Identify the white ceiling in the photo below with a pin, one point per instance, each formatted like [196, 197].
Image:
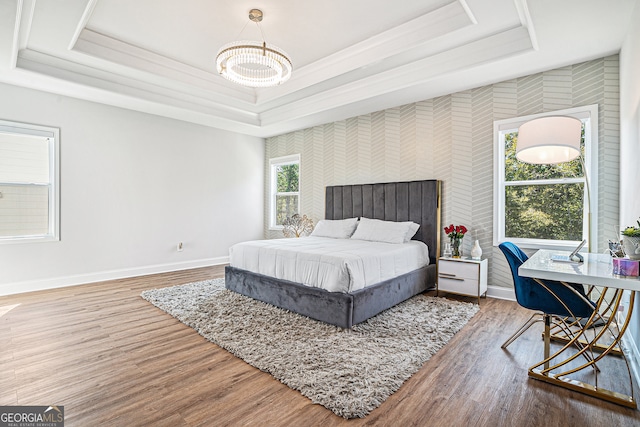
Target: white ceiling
[350, 57]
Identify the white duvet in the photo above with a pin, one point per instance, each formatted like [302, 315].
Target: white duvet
[337, 265]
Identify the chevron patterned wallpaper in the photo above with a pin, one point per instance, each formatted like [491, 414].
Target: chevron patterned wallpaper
[451, 138]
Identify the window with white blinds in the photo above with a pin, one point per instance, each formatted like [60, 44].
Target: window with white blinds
[28, 183]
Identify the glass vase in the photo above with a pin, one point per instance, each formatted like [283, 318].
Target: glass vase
[456, 247]
[447, 250]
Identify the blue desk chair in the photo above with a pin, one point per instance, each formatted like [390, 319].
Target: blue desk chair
[550, 299]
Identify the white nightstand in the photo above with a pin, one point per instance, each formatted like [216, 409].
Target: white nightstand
[463, 276]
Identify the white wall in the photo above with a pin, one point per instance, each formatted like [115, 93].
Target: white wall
[630, 149]
[133, 185]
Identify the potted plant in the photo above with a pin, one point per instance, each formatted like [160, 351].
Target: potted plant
[631, 241]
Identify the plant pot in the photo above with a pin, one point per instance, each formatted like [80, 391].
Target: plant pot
[631, 246]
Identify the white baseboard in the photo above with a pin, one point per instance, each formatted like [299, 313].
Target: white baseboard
[81, 279]
[632, 354]
[500, 292]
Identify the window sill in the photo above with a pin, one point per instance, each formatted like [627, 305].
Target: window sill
[34, 239]
[535, 245]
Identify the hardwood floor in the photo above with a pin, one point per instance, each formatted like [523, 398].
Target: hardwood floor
[110, 358]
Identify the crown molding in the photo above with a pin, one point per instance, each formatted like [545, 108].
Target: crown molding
[443, 50]
[416, 74]
[416, 36]
[113, 50]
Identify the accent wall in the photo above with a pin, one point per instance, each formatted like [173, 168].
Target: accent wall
[451, 138]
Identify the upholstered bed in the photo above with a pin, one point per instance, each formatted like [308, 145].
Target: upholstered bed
[417, 201]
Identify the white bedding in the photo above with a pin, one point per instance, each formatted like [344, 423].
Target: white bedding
[337, 265]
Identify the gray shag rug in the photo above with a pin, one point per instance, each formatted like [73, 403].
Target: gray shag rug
[351, 372]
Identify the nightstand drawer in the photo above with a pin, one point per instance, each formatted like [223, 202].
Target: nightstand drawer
[458, 270]
[463, 276]
[459, 286]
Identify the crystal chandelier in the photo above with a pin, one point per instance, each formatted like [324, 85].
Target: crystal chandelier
[252, 63]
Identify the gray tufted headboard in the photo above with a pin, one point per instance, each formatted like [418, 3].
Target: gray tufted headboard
[417, 201]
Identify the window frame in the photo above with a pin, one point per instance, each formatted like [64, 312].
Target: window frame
[273, 181]
[53, 136]
[587, 113]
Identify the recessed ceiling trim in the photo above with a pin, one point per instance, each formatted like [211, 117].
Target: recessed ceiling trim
[45, 83]
[467, 9]
[504, 44]
[415, 34]
[28, 9]
[119, 52]
[156, 60]
[86, 15]
[525, 18]
[10, 18]
[90, 77]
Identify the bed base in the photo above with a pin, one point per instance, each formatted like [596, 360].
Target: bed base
[417, 201]
[336, 308]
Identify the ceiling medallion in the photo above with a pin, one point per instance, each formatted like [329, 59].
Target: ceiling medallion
[252, 63]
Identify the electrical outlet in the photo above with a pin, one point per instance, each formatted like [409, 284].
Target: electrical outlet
[180, 247]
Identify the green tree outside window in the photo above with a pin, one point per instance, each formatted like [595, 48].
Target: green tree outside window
[287, 191]
[542, 208]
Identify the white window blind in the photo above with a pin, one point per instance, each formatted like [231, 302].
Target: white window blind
[28, 183]
[24, 159]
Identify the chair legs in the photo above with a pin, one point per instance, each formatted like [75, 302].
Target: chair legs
[547, 339]
[532, 320]
[541, 317]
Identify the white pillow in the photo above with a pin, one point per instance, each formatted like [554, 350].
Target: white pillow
[412, 229]
[376, 230]
[335, 228]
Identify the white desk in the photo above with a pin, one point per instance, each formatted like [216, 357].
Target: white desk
[597, 269]
[597, 272]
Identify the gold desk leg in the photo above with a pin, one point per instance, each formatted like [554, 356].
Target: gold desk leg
[562, 380]
[596, 347]
[579, 386]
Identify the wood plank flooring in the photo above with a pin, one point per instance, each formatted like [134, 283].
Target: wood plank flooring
[112, 359]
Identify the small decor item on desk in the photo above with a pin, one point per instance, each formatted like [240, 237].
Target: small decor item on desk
[615, 249]
[296, 226]
[631, 241]
[626, 267]
[456, 234]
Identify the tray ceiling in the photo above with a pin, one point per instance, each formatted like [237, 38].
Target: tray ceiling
[350, 57]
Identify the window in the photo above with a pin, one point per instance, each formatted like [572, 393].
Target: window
[29, 199]
[545, 206]
[285, 189]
